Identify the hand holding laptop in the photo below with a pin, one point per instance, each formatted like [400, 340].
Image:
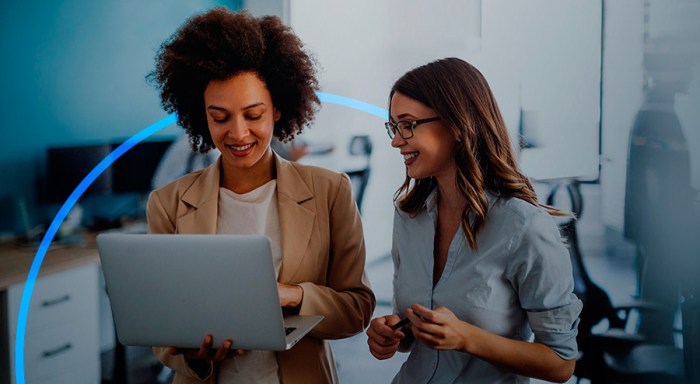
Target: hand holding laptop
[206, 351]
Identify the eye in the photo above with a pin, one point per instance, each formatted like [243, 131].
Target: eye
[218, 118]
[254, 117]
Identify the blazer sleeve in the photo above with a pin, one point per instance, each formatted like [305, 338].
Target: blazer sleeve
[346, 301]
[161, 219]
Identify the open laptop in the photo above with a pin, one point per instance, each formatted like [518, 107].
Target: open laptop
[172, 290]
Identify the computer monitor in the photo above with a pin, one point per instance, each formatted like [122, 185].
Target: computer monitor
[68, 166]
[133, 171]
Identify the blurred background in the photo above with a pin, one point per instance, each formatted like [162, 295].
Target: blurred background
[601, 98]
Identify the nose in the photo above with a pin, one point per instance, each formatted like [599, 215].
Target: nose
[397, 141]
[238, 129]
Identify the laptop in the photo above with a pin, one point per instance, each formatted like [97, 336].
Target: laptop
[173, 290]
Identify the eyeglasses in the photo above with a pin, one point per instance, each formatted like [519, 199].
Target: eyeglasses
[405, 127]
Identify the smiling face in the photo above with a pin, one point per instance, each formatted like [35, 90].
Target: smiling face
[241, 121]
[431, 150]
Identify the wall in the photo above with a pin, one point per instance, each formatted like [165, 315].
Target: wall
[543, 56]
[73, 72]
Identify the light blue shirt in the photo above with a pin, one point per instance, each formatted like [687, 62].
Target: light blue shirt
[517, 284]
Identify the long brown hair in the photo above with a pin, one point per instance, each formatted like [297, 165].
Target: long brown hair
[485, 159]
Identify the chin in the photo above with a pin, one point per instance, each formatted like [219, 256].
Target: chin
[415, 175]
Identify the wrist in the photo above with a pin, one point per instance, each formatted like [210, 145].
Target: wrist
[298, 296]
[466, 338]
[293, 302]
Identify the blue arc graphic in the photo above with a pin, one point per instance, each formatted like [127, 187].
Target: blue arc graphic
[89, 179]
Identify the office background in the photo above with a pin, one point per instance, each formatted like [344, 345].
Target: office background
[570, 78]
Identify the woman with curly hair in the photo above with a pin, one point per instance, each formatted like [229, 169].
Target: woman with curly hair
[479, 265]
[235, 81]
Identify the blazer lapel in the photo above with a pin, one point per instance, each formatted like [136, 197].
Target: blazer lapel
[201, 200]
[296, 220]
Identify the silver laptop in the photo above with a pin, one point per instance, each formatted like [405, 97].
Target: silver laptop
[172, 290]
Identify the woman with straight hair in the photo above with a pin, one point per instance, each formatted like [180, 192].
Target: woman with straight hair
[479, 265]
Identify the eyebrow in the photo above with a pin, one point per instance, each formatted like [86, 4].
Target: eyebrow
[216, 108]
[405, 115]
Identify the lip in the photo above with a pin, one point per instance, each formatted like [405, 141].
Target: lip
[410, 160]
[241, 150]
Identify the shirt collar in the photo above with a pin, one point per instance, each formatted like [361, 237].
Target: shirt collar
[431, 200]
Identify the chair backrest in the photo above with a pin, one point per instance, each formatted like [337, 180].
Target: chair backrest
[596, 302]
[690, 312]
[360, 145]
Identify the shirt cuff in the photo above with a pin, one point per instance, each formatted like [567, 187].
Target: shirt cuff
[557, 328]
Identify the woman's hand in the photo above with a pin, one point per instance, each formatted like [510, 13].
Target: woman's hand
[205, 350]
[438, 329]
[382, 340]
[290, 295]
[441, 329]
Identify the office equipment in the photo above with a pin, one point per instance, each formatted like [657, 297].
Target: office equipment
[134, 170]
[612, 355]
[400, 324]
[360, 146]
[62, 338]
[66, 167]
[172, 290]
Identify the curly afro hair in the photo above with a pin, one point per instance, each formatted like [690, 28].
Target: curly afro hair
[219, 44]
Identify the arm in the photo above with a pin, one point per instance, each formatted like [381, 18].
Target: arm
[346, 301]
[440, 329]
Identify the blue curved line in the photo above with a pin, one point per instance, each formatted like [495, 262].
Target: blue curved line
[353, 103]
[51, 232]
[90, 178]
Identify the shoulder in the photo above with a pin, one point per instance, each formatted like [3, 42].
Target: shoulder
[180, 185]
[518, 211]
[170, 194]
[521, 220]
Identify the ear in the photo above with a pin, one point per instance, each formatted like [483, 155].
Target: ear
[277, 114]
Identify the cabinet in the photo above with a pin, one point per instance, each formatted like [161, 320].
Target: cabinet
[62, 340]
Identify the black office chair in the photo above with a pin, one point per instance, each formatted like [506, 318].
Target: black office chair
[360, 145]
[614, 355]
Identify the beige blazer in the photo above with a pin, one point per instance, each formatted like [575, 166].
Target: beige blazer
[323, 251]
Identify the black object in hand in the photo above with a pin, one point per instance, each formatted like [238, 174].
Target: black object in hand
[400, 324]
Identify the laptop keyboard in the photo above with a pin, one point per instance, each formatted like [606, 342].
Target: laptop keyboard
[288, 330]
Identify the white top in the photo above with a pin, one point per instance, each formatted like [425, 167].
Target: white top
[252, 213]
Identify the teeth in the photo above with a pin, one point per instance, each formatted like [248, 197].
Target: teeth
[410, 155]
[243, 148]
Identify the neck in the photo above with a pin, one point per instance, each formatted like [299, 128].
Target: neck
[243, 180]
[450, 197]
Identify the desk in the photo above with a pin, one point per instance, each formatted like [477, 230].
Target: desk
[62, 340]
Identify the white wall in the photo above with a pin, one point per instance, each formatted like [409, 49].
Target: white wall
[622, 97]
[543, 55]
